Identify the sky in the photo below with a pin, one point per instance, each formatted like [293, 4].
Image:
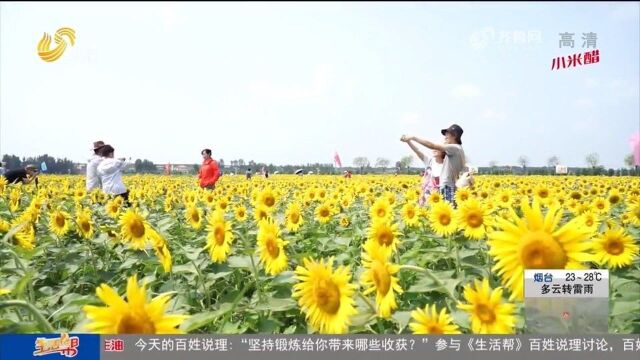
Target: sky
[292, 83]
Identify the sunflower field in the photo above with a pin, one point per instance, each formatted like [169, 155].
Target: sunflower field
[312, 254]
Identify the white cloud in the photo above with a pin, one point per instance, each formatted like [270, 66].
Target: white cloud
[466, 91]
[492, 114]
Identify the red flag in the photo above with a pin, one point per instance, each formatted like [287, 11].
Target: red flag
[336, 159]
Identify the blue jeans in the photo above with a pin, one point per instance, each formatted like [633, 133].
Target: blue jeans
[449, 194]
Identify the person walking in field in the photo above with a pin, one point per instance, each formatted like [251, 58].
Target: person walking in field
[209, 171]
[454, 160]
[110, 172]
[93, 179]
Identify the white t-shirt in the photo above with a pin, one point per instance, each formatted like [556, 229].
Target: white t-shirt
[93, 180]
[110, 172]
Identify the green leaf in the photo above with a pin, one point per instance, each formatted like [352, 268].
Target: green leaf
[402, 318]
[342, 241]
[268, 326]
[624, 307]
[277, 304]
[202, 319]
[241, 261]
[21, 286]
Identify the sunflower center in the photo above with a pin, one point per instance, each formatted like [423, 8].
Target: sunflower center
[385, 237]
[381, 213]
[195, 216]
[600, 205]
[541, 251]
[324, 212]
[218, 233]
[411, 213]
[137, 228]
[294, 217]
[328, 296]
[435, 329]
[614, 246]
[444, 219]
[614, 199]
[60, 221]
[589, 222]
[240, 213]
[485, 313]
[272, 247]
[474, 220]
[543, 193]
[132, 324]
[85, 226]
[381, 277]
[636, 212]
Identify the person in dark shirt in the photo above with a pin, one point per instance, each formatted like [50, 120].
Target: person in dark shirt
[26, 175]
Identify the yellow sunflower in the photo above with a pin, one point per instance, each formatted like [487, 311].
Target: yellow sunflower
[489, 314]
[193, 215]
[344, 221]
[324, 212]
[134, 229]
[384, 234]
[378, 277]
[381, 210]
[435, 198]
[590, 221]
[410, 214]
[442, 220]
[267, 199]
[472, 218]
[240, 213]
[84, 224]
[219, 237]
[59, 222]
[633, 212]
[134, 316]
[293, 216]
[113, 209]
[462, 195]
[271, 247]
[325, 295]
[430, 321]
[614, 197]
[260, 213]
[535, 242]
[601, 205]
[615, 248]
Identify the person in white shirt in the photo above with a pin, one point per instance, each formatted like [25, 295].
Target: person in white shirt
[432, 170]
[110, 172]
[93, 180]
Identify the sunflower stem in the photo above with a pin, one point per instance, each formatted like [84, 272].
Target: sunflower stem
[44, 324]
[431, 276]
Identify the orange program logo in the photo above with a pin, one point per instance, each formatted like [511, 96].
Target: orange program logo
[48, 54]
[64, 345]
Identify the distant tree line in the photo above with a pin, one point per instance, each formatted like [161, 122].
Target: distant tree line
[361, 165]
[53, 165]
[65, 166]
